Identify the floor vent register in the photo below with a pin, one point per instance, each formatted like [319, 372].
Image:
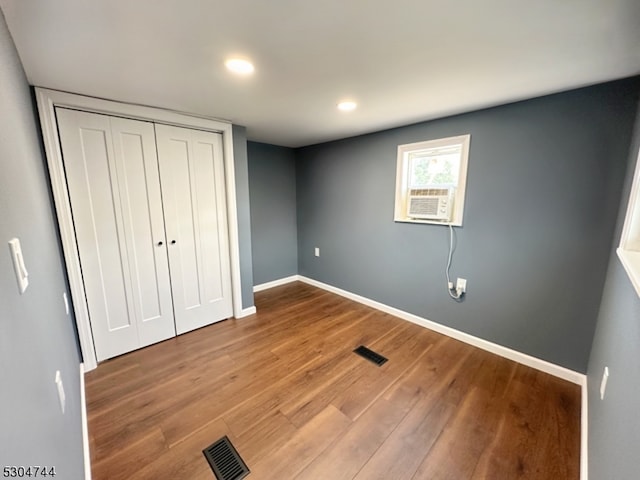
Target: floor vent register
[225, 460]
[370, 355]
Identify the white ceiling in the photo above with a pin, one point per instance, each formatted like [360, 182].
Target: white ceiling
[403, 61]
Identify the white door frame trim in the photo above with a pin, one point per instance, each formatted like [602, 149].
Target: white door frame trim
[47, 100]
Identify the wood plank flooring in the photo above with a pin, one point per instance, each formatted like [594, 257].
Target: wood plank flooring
[297, 404]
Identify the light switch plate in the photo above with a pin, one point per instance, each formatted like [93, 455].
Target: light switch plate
[18, 264]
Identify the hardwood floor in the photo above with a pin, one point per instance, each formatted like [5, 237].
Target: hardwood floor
[286, 388]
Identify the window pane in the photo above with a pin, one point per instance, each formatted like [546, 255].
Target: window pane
[434, 168]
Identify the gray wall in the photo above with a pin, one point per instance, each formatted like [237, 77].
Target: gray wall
[272, 186]
[544, 184]
[241, 164]
[614, 425]
[36, 336]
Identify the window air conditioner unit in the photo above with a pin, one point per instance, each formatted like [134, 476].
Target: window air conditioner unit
[431, 204]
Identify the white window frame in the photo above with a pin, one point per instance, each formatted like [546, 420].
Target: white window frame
[402, 178]
[629, 249]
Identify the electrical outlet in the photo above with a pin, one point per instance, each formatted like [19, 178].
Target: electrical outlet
[317, 252]
[60, 386]
[603, 383]
[18, 264]
[66, 302]
[461, 285]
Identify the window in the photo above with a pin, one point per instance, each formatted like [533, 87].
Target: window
[431, 180]
[629, 250]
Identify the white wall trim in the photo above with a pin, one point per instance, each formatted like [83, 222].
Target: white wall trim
[275, 283]
[584, 431]
[47, 100]
[46, 105]
[232, 219]
[246, 312]
[85, 427]
[533, 362]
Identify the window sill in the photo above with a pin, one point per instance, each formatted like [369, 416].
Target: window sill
[427, 222]
[631, 262]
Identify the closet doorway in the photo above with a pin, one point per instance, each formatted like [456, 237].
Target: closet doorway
[146, 206]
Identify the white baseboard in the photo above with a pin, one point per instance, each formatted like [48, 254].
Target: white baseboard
[533, 362]
[523, 358]
[245, 312]
[275, 283]
[584, 432]
[85, 427]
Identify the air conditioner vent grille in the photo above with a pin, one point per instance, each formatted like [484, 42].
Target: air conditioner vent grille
[424, 206]
[423, 192]
[430, 203]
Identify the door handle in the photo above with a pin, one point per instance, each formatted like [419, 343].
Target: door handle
[173, 242]
[160, 243]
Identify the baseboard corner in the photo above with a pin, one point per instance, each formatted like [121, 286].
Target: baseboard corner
[275, 283]
[245, 312]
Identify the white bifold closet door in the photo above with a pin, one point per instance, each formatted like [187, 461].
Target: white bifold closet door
[192, 179]
[112, 177]
[149, 213]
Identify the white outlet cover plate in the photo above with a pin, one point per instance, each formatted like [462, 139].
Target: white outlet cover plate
[66, 302]
[603, 384]
[18, 264]
[61, 394]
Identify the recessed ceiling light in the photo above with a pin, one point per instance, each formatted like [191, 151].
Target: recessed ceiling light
[347, 106]
[239, 66]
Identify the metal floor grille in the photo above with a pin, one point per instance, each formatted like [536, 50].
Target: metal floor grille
[225, 460]
[370, 355]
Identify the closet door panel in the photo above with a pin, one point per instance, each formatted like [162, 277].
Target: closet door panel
[135, 153]
[95, 200]
[192, 179]
[212, 219]
[181, 224]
